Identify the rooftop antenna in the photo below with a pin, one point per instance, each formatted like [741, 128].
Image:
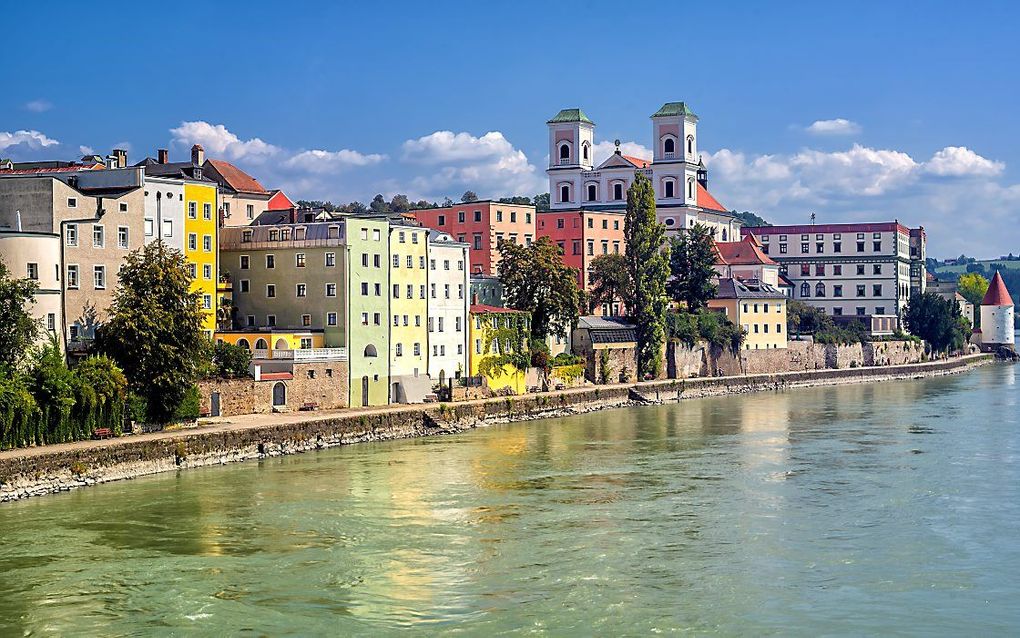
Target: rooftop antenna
[812, 219]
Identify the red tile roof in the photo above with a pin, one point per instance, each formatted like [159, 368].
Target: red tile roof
[997, 294]
[741, 253]
[277, 376]
[280, 201]
[705, 200]
[637, 161]
[479, 308]
[236, 178]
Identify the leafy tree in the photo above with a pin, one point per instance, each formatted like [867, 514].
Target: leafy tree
[52, 385]
[230, 361]
[100, 391]
[610, 281]
[468, 197]
[711, 326]
[936, 320]
[648, 264]
[154, 331]
[379, 205]
[973, 286]
[400, 204]
[541, 202]
[535, 279]
[18, 328]
[517, 199]
[447, 201]
[802, 318]
[692, 266]
[747, 218]
[356, 208]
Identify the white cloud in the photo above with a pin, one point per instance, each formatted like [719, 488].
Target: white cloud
[31, 139]
[316, 161]
[488, 165]
[837, 126]
[604, 149]
[38, 106]
[867, 184]
[86, 150]
[959, 161]
[220, 142]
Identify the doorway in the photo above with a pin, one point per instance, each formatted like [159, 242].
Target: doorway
[214, 404]
[279, 395]
[364, 391]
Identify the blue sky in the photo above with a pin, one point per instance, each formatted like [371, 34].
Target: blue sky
[916, 109]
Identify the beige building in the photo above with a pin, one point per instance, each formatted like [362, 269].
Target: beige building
[99, 216]
[757, 307]
[36, 256]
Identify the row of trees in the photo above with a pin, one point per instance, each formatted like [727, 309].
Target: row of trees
[400, 203]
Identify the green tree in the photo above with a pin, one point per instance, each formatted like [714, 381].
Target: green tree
[936, 320]
[379, 205]
[231, 361]
[648, 264]
[692, 266]
[541, 202]
[610, 281]
[53, 387]
[535, 279]
[154, 331]
[468, 197]
[100, 392]
[400, 203]
[802, 318]
[749, 219]
[973, 286]
[18, 328]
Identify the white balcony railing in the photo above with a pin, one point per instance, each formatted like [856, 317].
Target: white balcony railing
[259, 354]
[312, 354]
[669, 155]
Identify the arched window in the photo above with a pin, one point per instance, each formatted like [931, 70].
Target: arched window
[690, 144]
[669, 146]
[261, 345]
[820, 290]
[370, 351]
[691, 193]
[617, 191]
[565, 193]
[281, 344]
[593, 192]
[584, 151]
[243, 343]
[564, 153]
[805, 289]
[669, 187]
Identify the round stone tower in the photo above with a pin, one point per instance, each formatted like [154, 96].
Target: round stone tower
[997, 316]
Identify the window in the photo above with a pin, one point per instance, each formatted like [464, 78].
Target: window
[207, 243]
[877, 246]
[592, 192]
[299, 260]
[376, 318]
[879, 310]
[274, 235]
[99, 277]
[270, 261]
[364, 318]
[51, 322]
[860, 290]
[306, 320]
[246, 236]
[820, 247]
[364, 259]
[399, 350]
[477, 241]
[330, 260]
[478, 215]
[376, 260]
[33, 271]
[72, 234]
[617, 191]
[860, 310]
[122, 237]
[245, 285]
[877, 269]
[98, 236]
[565, 193]
[396, 291]
[270, 320]
[270, 291]
[460, 216]
[192, 210]
[669, 147]
[330, 318]
[837, 269]
[301, 290]
[860, 246]
[410, 291]
[837, 291]
[457, 324]
[782, 249]
[245, 262]
[417, 349]
[837, 247]
[442, 220]
[72, 202]
[250, 211]
[206, 271]
[805, 270]
[168, 228]
[206, 211]
[421, 291]
[564, 153]
[804, 248]
[805, 289]
[668, 186]
[377, 288]
[819, 270]
[478, 346]
[690, 144]
[72, 276]
[820, 289]
[226, 210]
[876, 290]
[207, 302]
[691, 194]
[410, 261]
[192, 272]
[860, 269]
[192, 241]
[402, 237]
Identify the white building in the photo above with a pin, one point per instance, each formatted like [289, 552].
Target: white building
[164, 211]
[677, 174]
[848, 269]
[997, 328]
[449, 269]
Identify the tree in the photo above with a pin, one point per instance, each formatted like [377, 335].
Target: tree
[231, 361]
[541, 202]
[748, 218]
[468, 197]
[379, 205]
[648, 264]
[447, 202]
[692, 266]
[610, 281]
[535, 279]
[154, 331]
[400, 204]
[802, 318]
[936, 320]
[973, 286]
[517, 199]
[18, 328]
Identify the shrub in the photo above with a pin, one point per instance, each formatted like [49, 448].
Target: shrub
[190, 406]
[230, 361]
[566, 359]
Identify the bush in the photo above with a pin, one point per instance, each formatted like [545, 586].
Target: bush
[190, 405]
[230, 361]
[566, 359]
[708, 325]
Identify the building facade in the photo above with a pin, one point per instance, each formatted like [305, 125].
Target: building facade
[449, 264]
[757, 307]
[997, 316]
[368, 309]
[582, 236]
[678, 176]
[482, 225]
[496, 333]
[201, 246]
[164, 211]
[848, 269]
[409, 306]
[36, 256]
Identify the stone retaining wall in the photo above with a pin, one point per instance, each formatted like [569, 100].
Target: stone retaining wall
[323, 383]
[75, 465]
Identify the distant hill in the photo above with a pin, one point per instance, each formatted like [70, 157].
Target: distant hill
[748, 218]
[990, 265]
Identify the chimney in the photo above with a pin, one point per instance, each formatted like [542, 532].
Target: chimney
[197, 155]
[161, 156]
[120, 157]
[474, 299]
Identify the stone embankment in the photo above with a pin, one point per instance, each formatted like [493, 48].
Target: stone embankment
[44, 470]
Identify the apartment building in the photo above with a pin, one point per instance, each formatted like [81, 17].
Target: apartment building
[410, 324]
[449, 298]
[36, 256]
[368, 309]
[584, 235]
[848, 269]
[482, 225]
[486, 324]
[757, 307]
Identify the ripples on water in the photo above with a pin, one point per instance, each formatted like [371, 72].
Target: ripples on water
[865, 509]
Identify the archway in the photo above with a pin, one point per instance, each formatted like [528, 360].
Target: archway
[281, 344]
[261, 345]
[370, 351]
[243, 343]
[279, 394]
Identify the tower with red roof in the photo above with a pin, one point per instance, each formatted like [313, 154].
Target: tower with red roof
[997, 316]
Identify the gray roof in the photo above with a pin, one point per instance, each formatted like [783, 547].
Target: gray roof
[608, 329]
[730, 288]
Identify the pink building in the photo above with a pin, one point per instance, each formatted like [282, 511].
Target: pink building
[583, 235]
[482, 225]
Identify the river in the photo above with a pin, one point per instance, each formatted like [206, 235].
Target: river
[889, 508]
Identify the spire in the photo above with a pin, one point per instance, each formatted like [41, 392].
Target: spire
[997, 294]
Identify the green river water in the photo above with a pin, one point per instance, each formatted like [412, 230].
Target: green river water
[879, 509]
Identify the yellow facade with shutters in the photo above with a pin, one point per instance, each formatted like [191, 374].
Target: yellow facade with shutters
[200, 245]
[483, 322]
[763, 320]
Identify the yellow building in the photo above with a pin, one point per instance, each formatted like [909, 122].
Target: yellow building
[262, 343]
[757, 307]
[200, 246]
[499, 334]
[409, 321]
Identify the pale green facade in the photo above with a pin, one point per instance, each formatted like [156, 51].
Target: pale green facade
[368, 318]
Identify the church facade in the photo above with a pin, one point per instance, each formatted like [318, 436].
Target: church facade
[676, 171]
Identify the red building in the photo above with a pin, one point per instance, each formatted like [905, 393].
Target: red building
[482, 224]
[582, 236]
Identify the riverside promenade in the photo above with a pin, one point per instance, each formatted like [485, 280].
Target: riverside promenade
[26, 472]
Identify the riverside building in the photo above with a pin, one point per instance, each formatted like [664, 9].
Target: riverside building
[408, 313]
[449, 297]
[869, 269]
[482, 225]
[582, 236]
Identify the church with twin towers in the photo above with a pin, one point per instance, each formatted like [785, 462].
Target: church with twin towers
[675, 169]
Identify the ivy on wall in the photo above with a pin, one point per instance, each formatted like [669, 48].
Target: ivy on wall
[504, 328]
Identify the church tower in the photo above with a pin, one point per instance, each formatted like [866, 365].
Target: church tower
[676, 159]
[571, 150]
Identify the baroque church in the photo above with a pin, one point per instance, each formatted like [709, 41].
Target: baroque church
[676, 171]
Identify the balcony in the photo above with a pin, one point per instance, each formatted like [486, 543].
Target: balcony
[669, 155]
[564, 161]
[304, 354]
